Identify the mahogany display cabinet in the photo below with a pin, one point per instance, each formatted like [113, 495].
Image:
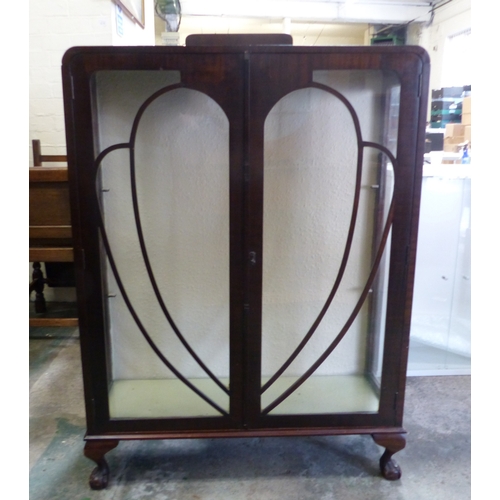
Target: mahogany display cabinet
[245, 225]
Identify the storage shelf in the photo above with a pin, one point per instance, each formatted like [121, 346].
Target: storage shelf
[171, 398]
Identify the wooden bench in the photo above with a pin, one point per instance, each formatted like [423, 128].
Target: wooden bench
[50, 237]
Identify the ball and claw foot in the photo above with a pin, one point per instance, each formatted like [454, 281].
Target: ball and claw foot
[95, 450]
[392, 443]
[99, 477]
[389, 468]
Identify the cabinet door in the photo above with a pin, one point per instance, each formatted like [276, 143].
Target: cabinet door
[157, 172]
[332, 205]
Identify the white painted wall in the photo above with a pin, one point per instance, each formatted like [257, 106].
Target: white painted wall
[448, 20]
[133, 34]
[303, 33]
[55, 26]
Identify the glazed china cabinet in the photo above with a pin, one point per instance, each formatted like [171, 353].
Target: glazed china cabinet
[245, 220]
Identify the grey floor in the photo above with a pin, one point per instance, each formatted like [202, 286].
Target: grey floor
[435, 463]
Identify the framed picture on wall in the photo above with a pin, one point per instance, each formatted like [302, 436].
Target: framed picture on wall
[134, 9]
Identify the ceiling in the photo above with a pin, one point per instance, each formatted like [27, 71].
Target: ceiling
[310, 22]
[357, 11]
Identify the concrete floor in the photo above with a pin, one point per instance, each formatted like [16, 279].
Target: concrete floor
[435, 463]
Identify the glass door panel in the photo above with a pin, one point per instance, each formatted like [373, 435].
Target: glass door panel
[163, 184]
[328, 182]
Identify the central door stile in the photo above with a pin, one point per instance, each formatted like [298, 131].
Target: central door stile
[252, 252]
[237, 196]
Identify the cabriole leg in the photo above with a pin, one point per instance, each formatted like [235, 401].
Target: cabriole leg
[392, 443]
[95, 450]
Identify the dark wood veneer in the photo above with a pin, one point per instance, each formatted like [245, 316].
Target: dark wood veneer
[246, 80]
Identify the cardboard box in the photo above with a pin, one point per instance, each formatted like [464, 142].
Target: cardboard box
[466, 105]
[466, 119]
[441, 124]
[467, 133]
[454, 130]
[456, 139]
[452, 148]
[454, 144]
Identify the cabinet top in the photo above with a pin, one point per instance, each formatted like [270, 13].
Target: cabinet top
[213, 47]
